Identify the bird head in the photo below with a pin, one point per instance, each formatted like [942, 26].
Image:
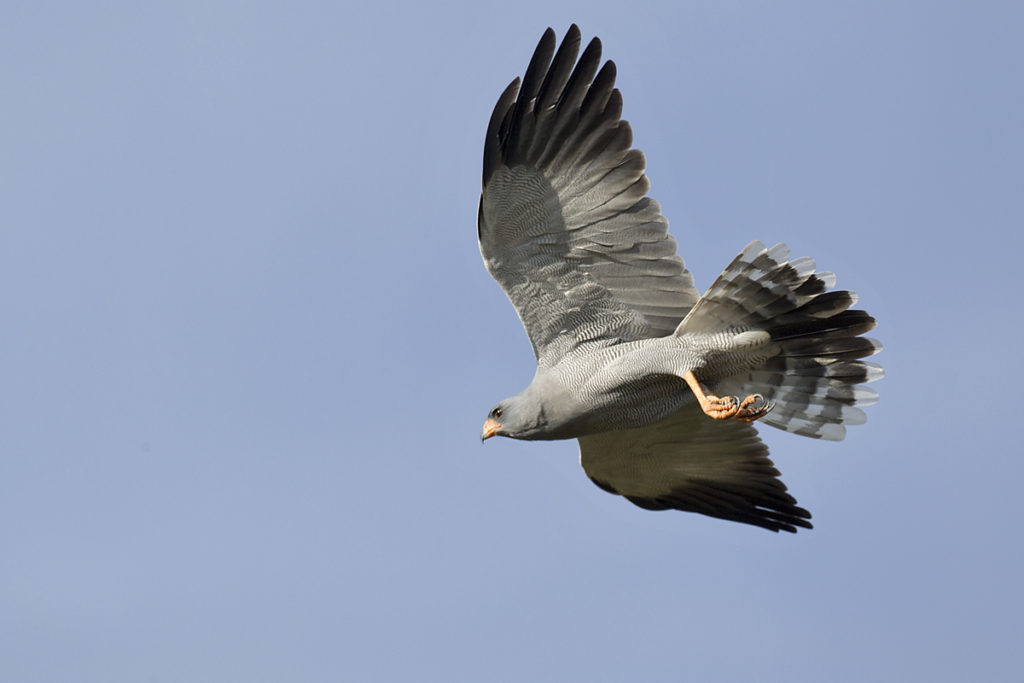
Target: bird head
[518, 417]
[494, 425]
[542, 410]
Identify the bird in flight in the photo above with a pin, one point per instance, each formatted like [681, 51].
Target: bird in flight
[660, 385]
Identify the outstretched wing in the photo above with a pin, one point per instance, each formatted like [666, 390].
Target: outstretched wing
[565, 225]
[689, 462]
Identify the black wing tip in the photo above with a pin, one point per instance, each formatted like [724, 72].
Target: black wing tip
[779, 517]
[796, 517]
[492, 141]
[511, 118]
[776, 520]
[775, 512]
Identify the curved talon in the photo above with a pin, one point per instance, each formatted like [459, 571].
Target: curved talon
[753, 398]
[718, 408]
[748, 410]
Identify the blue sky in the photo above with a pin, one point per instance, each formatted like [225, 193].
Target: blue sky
[249, 343]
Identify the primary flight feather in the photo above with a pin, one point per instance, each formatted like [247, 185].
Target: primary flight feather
[659, 384]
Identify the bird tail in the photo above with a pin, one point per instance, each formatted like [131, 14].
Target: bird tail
[815, 378]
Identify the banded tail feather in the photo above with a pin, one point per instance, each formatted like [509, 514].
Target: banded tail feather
[817, 375]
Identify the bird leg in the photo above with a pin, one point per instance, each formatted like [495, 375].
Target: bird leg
[713, 406]
[723, 408]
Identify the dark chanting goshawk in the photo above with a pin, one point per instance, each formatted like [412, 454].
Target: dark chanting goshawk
[659, 384]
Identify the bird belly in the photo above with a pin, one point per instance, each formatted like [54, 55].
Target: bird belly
[636, 384]
[629, 386]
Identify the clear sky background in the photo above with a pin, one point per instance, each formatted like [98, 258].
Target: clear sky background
[248, 345]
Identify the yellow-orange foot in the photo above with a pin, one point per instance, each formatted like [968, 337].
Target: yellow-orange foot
[752, 408]
[719, 408]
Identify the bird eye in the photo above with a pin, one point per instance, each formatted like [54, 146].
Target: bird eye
[496, 413]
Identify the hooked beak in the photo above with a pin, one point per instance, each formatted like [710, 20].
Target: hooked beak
[490, 427]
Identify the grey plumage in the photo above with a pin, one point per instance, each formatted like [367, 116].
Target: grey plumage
[567, 230]
[815, 373]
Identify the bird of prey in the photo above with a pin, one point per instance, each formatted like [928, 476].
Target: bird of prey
[659, 384]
